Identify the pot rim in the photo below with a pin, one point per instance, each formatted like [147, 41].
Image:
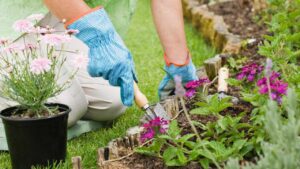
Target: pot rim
[63, 106]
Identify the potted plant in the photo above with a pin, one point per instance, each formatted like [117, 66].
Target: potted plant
[30, 73]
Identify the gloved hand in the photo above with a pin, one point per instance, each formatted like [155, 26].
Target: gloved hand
[187, 72]
[108, 56]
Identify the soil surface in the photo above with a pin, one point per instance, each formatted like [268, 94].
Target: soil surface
[27, 114]
[240, 18]
[138, 161]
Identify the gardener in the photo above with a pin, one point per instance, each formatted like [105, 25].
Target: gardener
[111, 61]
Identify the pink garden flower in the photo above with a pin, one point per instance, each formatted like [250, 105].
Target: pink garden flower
[14, 48]
[40, 65]
[250, 71]
[23, 26]
[80, 61]
[30, 46]
[35, 17]
[55, 39]
[278, 87]
[193, 85]
[154, 127]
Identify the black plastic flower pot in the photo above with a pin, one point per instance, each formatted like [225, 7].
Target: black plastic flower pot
[36, 142]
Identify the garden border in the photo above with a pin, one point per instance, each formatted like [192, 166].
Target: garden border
[212, 27]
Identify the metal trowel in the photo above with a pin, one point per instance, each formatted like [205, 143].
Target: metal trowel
[151, 111]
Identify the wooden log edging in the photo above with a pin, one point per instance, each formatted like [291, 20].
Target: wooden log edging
[212, 27]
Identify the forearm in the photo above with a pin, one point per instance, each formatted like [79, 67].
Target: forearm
[168, 18]
[67, 9]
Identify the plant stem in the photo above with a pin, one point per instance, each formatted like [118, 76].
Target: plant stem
[195, 131]
[189, 119]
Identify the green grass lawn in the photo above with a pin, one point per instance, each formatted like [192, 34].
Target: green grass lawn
[148, 55]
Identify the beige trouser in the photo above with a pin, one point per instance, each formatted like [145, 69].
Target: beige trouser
[89, 98]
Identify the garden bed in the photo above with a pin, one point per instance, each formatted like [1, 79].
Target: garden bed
[226, 128]
[240, 17]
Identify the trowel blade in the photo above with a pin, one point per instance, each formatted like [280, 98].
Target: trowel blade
[160, 112]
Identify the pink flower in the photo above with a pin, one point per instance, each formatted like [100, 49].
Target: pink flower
[72, 31]
[179, 89]
[190, 93]
[40, 65]
[14, 48]
[80, 61]
[154, 127]
[250, 71]
[35, 17]
[43, 31]
[23, 26]
[193, 85]
[30, 46]
[55, 39]
[278, 88]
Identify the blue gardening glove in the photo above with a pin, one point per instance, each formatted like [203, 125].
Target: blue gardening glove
[108, 56]
[167, 85]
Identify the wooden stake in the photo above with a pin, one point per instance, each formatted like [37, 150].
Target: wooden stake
[76, 162]
[101, 157]
[212, 66]
[113, 150]
[127, 142]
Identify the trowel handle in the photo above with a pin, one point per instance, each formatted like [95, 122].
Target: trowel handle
[222, 84]
[140, 99]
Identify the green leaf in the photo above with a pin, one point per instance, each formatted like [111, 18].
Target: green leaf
[233, 82]
[223, 123]
[194, 155]
[181, 157]
[166, 137]
[169, 153]
[145, 151]
[218, 147]
[204, 163]
[173, 163]
[185, 138]
[238, 144]
[157, 145]
[174, 130]
[201, 111]
[207, 154]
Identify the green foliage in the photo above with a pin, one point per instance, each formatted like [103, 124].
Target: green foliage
[282, 150]
[283, 46]
[212, 106]
[221, 139]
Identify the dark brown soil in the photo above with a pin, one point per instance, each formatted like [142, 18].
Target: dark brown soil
[138, 161]
[251, 51]
[240, 18]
